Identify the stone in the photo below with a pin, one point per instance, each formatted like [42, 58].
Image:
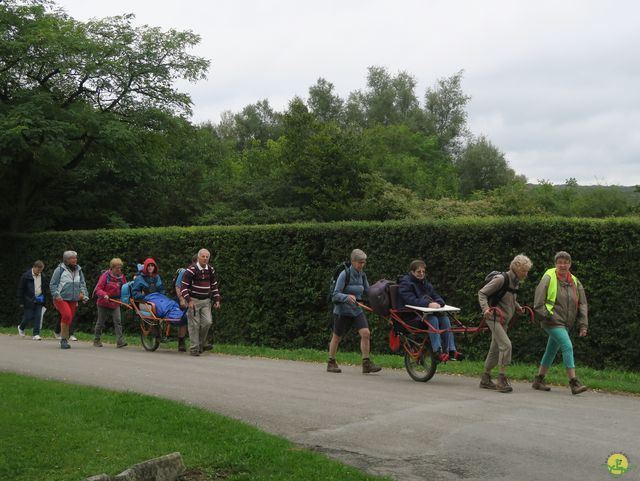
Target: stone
[164, 468]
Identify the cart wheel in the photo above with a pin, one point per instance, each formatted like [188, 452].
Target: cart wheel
[149, 336]
[419, 364]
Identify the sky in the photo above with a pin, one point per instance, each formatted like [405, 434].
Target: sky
[555, 85]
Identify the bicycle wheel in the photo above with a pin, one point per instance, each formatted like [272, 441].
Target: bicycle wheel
[418, 361]
[149, 336]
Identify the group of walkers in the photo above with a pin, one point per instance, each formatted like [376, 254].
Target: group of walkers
[196, 290]
[559, 303]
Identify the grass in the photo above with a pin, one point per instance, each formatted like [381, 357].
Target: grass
[609, 380]
[56, 431]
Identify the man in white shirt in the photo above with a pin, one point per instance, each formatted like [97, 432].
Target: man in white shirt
[32, 298]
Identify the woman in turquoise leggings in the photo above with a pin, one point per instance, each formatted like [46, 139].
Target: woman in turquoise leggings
[560, 302]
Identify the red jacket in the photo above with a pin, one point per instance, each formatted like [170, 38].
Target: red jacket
[109, 285]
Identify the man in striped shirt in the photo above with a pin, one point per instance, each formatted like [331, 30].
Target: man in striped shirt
[199, 288]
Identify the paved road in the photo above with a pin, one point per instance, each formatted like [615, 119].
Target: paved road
[446, 429]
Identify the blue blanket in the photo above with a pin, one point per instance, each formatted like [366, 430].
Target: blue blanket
[165, 308]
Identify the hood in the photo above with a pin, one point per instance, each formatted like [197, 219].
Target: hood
[146, 264]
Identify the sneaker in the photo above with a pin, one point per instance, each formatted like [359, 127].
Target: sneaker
[73, 338]
[486, 382]
[37, 337]
[97, 343]
[122, 344]
[332, 366]
[194, 353]
[64, 344]
[456, 356]
[207, 347]
[368, 367]
[20, 332]
[576, 386]
[57, 336]
[443, 357]
[503, 384]
[539, 384]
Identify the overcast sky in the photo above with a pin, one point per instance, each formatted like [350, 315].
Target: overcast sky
[555, 85]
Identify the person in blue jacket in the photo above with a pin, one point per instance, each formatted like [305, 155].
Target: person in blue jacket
[347, 313]
[415, 290]
[147, 281]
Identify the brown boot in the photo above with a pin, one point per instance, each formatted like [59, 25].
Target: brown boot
[576, 386]
[368, 366]
[486, 382]
[332, 366]
[539, 384]
[503, 384]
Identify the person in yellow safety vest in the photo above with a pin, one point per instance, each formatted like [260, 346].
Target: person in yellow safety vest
[559, 302]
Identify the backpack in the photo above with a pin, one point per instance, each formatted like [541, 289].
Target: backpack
[177, 274]
[93, 294]
[125, 292]
[379, 296]
[495, 298]
[344, 266]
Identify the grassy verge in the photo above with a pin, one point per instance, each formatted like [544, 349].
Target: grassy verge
[609, 380]
[57, 431]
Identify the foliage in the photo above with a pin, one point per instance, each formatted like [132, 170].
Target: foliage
[76, 98]
[280, 301]
[483, 167]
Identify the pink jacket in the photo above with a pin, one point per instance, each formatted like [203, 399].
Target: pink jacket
[111, 289]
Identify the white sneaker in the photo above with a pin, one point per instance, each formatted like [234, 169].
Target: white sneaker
[73, 338]
[37, 337]
[57, 336]
[20, 331]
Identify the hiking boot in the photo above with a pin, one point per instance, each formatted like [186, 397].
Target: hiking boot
[576, 386]
[368, 366]
[486, 382]
[503, 384]
[64, 344]
[122, 344]
[332, 366]
[539, 384]
[97, 343]
[456, 356]
[181, 345]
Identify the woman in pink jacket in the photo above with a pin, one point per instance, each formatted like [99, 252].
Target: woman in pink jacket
[108, 287]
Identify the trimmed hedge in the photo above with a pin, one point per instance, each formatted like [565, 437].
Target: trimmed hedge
[274, 279]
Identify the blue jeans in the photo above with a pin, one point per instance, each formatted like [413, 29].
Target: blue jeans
[438, 340]
[558, 340]
[32, 314]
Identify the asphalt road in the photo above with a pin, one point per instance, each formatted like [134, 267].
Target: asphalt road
[385, 423]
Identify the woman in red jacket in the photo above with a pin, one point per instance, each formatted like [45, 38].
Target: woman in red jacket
[109, 286]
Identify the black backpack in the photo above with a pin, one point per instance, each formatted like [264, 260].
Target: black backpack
[495, 298]
[380, 297]
[175, 278]
[343, 266]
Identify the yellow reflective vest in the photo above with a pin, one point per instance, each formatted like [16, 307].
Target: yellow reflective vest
[552, 290]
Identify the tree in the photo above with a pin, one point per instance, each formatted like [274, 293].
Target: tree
[73, 93]
[445, 111]
[323, 103]
[483, 167]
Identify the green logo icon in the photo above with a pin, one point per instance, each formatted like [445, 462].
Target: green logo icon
[618, 464]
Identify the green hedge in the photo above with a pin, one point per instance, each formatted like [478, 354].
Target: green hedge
[274, 279]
